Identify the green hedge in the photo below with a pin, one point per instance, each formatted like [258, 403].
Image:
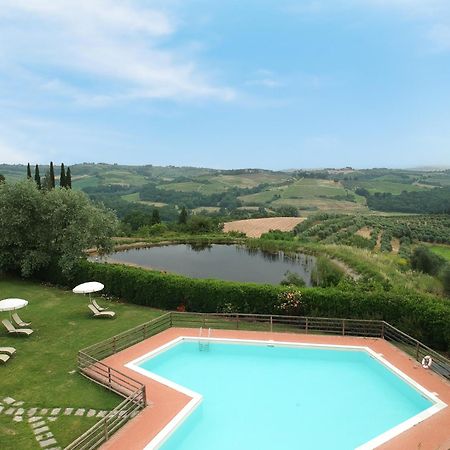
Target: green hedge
[424, 317]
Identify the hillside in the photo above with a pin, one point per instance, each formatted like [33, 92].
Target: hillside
[249, 192]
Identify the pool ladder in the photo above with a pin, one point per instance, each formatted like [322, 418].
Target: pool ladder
[203, 346]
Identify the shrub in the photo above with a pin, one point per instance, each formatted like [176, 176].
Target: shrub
[445, 277]
[292, 279]
[326, 273]
[424, 317]
[426, 261]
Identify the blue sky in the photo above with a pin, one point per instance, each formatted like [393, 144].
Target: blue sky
[226, 83]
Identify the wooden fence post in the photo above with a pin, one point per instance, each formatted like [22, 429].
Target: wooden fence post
[271, 324]
[306, 326]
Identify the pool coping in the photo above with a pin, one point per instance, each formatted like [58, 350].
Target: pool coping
[166, 403]
[197, 398]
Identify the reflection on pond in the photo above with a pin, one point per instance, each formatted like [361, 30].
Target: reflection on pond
[226, 262]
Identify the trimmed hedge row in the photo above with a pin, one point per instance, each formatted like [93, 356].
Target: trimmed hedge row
[425, 318]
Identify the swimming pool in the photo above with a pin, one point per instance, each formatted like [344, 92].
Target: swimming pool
[259, 396]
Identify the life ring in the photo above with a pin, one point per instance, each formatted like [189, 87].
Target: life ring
[426, 362]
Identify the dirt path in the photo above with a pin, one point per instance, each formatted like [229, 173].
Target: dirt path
[377, 247]
[395, 244]
[256, 227]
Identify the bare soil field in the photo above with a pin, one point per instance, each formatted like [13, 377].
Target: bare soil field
[364, 232]
[256, 227]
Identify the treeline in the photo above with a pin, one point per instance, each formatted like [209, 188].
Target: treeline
[432, 201]
[48, 182]
[228, 199]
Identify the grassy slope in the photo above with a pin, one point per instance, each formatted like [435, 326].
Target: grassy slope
[441, 250]
[39, 374]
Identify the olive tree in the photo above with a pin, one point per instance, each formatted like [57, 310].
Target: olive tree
[41, 228]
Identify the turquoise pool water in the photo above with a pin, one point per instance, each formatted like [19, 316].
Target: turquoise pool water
[283, 398]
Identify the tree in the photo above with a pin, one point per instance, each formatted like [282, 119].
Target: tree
[42, 229]
[68, 179]
[445, 277]
[155, 217]
[62, 176]
[138, 219]
[29, 171]
[2, 178]
[426, 261]
[182, 219]
[37, 177]
[51, 183]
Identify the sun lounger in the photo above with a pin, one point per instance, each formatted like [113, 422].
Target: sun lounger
[19, 321]
[98, 307]
[4, 358]
[98, 313]
[8, 350]
[11, 329]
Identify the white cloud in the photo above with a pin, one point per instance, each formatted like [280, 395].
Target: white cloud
[121, 49]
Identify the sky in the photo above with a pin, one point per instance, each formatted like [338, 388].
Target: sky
[274, 84]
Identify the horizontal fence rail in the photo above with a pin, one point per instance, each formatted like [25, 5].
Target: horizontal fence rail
[415, 348]
[91, 366]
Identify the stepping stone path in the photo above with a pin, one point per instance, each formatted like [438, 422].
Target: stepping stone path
[39, 419]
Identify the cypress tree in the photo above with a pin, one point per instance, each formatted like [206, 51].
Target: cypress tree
[37, 177]
[68, 179]
[52, 176]
[155, 217]
[182, 219]
[29, 171]
[62, 176]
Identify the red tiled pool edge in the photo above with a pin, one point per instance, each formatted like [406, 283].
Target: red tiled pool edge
[165, 403]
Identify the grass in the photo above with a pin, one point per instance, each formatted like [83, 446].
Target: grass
[381, 185]
[441, 250]
[41, 373]
[191, 186]
[309, 194]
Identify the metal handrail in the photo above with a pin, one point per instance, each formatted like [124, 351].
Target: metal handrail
[135, 401]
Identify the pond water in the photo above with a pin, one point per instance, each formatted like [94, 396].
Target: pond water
[226, 262]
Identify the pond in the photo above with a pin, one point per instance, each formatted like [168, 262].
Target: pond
[225, 262]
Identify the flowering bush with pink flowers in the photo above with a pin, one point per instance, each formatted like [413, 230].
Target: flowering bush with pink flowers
[290, 302]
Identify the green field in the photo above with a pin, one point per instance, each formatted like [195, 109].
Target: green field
[41, 374]
[389, 186]
[192, 186]
[309, 194]
[441, 250]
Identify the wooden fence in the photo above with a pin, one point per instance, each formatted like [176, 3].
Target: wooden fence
[91, 366]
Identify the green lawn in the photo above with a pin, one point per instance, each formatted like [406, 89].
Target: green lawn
[42, 372]
[441, 250]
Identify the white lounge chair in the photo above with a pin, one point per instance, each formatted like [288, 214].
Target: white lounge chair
[4, 358]
[98, 313]
[19, 321]
[97, 306]
[8, 350]
[11, 329]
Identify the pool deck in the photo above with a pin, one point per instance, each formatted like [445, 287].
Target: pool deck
[165, 403]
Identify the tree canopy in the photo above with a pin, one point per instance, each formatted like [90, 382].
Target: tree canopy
[40, 228]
